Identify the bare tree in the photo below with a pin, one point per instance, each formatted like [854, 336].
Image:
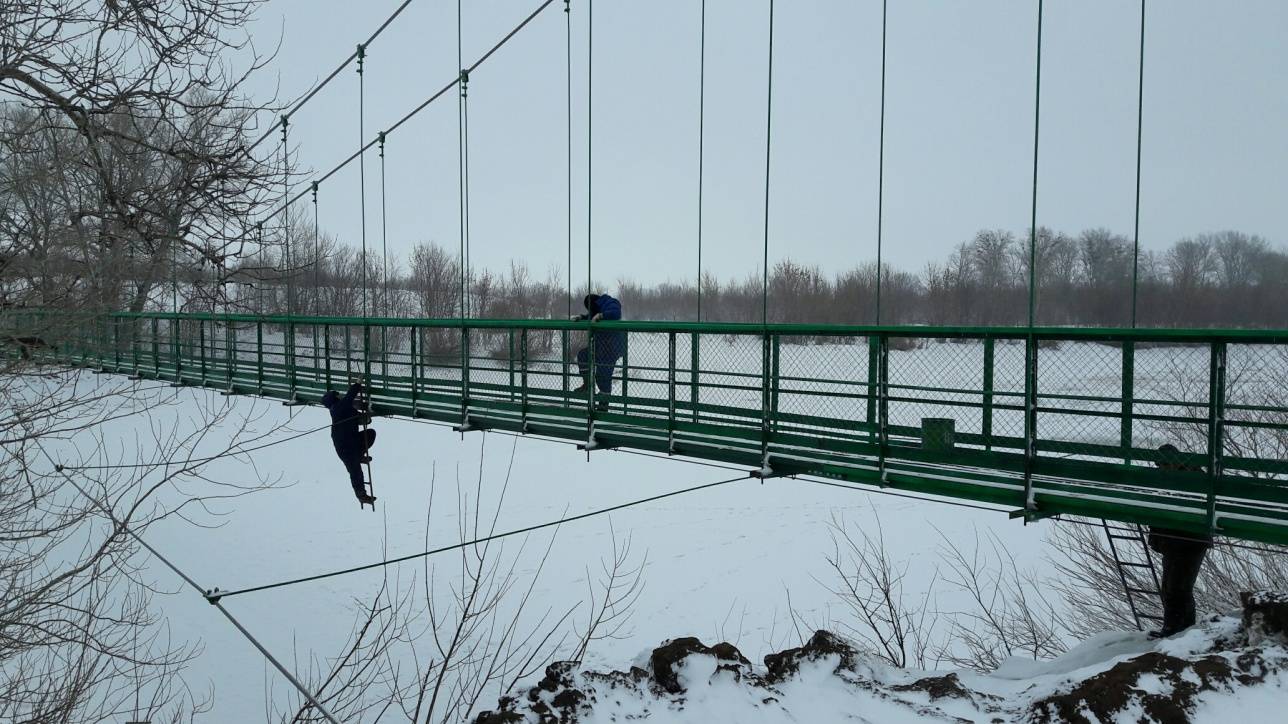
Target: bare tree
[455, 637]
[144, 134]
[885, 623]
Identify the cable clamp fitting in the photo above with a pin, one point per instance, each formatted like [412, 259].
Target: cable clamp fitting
[213, 595]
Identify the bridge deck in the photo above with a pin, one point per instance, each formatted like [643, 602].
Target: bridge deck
[1050, 421]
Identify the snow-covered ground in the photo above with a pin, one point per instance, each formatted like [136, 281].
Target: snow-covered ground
[720, 562]
[1213, 673]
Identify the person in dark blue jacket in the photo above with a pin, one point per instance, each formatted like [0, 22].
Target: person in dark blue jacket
[347, 437]
[610, 346]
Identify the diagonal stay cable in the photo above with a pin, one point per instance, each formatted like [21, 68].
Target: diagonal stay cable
[295, 107]
[121, 526]
[217, 594]
[406, 117]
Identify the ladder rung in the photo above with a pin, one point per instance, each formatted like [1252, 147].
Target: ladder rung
[1143, 591]
[1126, 537]
[1149, 616]
[1133, 564]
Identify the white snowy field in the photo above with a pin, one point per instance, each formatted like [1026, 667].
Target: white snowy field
[719, 562]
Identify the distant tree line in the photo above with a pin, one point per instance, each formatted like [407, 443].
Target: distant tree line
[1226, 278]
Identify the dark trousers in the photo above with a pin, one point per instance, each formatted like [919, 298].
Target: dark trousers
[351, 456]
[607, 351]
[1182, 561]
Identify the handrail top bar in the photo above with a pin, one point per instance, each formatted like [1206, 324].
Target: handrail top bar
[1278, 336]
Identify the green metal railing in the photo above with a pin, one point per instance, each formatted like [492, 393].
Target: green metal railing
[1047, 420]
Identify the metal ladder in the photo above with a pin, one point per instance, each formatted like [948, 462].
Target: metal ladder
[364, 420]
[1132, 534]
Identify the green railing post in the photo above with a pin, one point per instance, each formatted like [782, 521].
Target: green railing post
[259, 356]
[415, 381]
[883, 401]
[176, 328]
[116, 342]
[288, 356]
[766, 412]
[201, 340]
[591, 381]
[1128, 406]
[1216, 429]
[510, 360]
[156, 348]
[1030, 417]
[670, 392]
[230, 355]
[523, 377]
[326, 350]
[348, 353]
[694, 375]
[626, 366]
[990, 375]
[366, 353]
[465, 377]
[874, 365]
[775, 358]
[563, 335]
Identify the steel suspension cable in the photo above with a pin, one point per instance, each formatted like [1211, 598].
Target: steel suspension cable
[769, 118]
[317, 262]
[384, 235]
[362, 203]
[881, 163]
[568, 148]
[1140, 115]
[1033, 219]
[702, 109]
[286, 222]
[120, 526]
[462, 80]
[217, 594]
[362, 173]
[332, 75]
[384, 264]
[590, 166]
[414, 111]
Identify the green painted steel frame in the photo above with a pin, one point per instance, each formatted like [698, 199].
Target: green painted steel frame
[840, 426]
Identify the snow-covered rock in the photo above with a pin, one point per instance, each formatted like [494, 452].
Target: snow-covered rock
[1224, 669]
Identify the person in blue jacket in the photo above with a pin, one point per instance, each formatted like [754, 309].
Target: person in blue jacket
[347, 436]
[610, 346]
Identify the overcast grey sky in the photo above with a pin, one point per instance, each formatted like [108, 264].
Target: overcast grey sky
[959, 125]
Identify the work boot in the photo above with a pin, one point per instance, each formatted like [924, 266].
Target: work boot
[581, 389]
[365, 499]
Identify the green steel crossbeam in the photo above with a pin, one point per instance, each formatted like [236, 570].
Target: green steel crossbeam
[1076, 434]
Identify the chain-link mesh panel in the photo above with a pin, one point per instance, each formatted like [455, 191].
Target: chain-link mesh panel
[935, 380]
[1007, 419]
[645, 373]
[731, 379]
[1255, 443]
[824, 386]
[1170, 404]
[1080, 400]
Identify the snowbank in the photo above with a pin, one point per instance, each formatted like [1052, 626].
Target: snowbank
[1225, 668]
